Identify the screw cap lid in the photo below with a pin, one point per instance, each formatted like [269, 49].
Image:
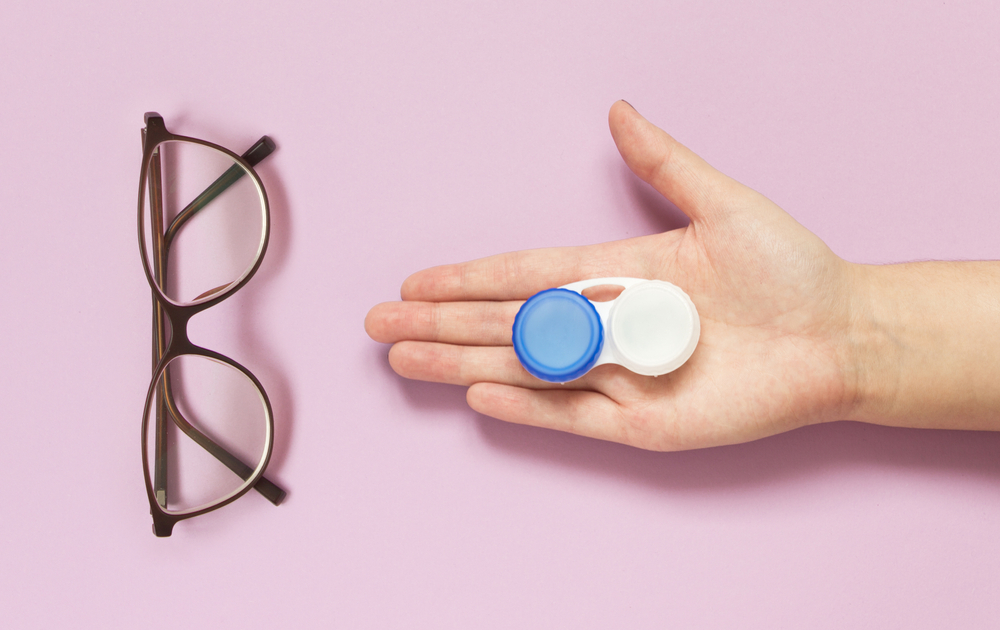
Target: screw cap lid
[558, 335]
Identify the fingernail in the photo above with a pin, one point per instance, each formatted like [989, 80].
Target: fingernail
[630, 105]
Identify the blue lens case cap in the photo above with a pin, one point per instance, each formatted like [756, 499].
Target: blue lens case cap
[558, 335]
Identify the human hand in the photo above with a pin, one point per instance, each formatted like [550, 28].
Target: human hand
[775, 303]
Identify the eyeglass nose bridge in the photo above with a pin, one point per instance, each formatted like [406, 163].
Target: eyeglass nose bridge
[172, 329]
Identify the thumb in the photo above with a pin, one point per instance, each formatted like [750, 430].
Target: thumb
[667, 165]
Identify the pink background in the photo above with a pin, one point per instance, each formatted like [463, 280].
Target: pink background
[413, 134]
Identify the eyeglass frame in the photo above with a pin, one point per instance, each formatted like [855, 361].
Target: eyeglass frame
[177, 316]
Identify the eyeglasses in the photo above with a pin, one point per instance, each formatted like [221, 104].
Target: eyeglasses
[207, 427]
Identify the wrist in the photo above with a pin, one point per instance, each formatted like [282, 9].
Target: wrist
[872, 345]
[923, 346]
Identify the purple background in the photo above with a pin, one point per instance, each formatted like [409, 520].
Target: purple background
[414, 134]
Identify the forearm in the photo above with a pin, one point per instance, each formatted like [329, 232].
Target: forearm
[925, 343]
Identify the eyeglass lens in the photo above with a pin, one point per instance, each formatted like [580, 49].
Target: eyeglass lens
[211, 433]
[212, 221]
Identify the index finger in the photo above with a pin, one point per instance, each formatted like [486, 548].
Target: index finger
[519, 275]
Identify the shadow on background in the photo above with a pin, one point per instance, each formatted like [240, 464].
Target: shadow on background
[439, 397]
[648, 211]
[250, 332]
[803, 453]
[809, 452]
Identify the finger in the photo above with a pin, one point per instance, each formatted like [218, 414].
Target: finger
[466, 365]
[675, 171]
[464, 323]
[584, 413]
[519, 275]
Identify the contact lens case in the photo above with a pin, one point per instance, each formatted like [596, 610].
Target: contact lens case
[651, 328]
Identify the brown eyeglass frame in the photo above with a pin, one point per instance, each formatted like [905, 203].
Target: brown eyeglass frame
[176, 316]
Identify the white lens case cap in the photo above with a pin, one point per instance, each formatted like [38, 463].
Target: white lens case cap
[652, 328]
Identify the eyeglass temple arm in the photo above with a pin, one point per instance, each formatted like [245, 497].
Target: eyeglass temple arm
[260, 150]
[253, 156]
[159, 332]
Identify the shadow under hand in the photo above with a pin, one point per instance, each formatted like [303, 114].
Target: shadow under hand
[647, 208]
[809, 452]
[424, 395]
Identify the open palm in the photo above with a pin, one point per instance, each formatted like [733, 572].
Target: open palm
[775, 304]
